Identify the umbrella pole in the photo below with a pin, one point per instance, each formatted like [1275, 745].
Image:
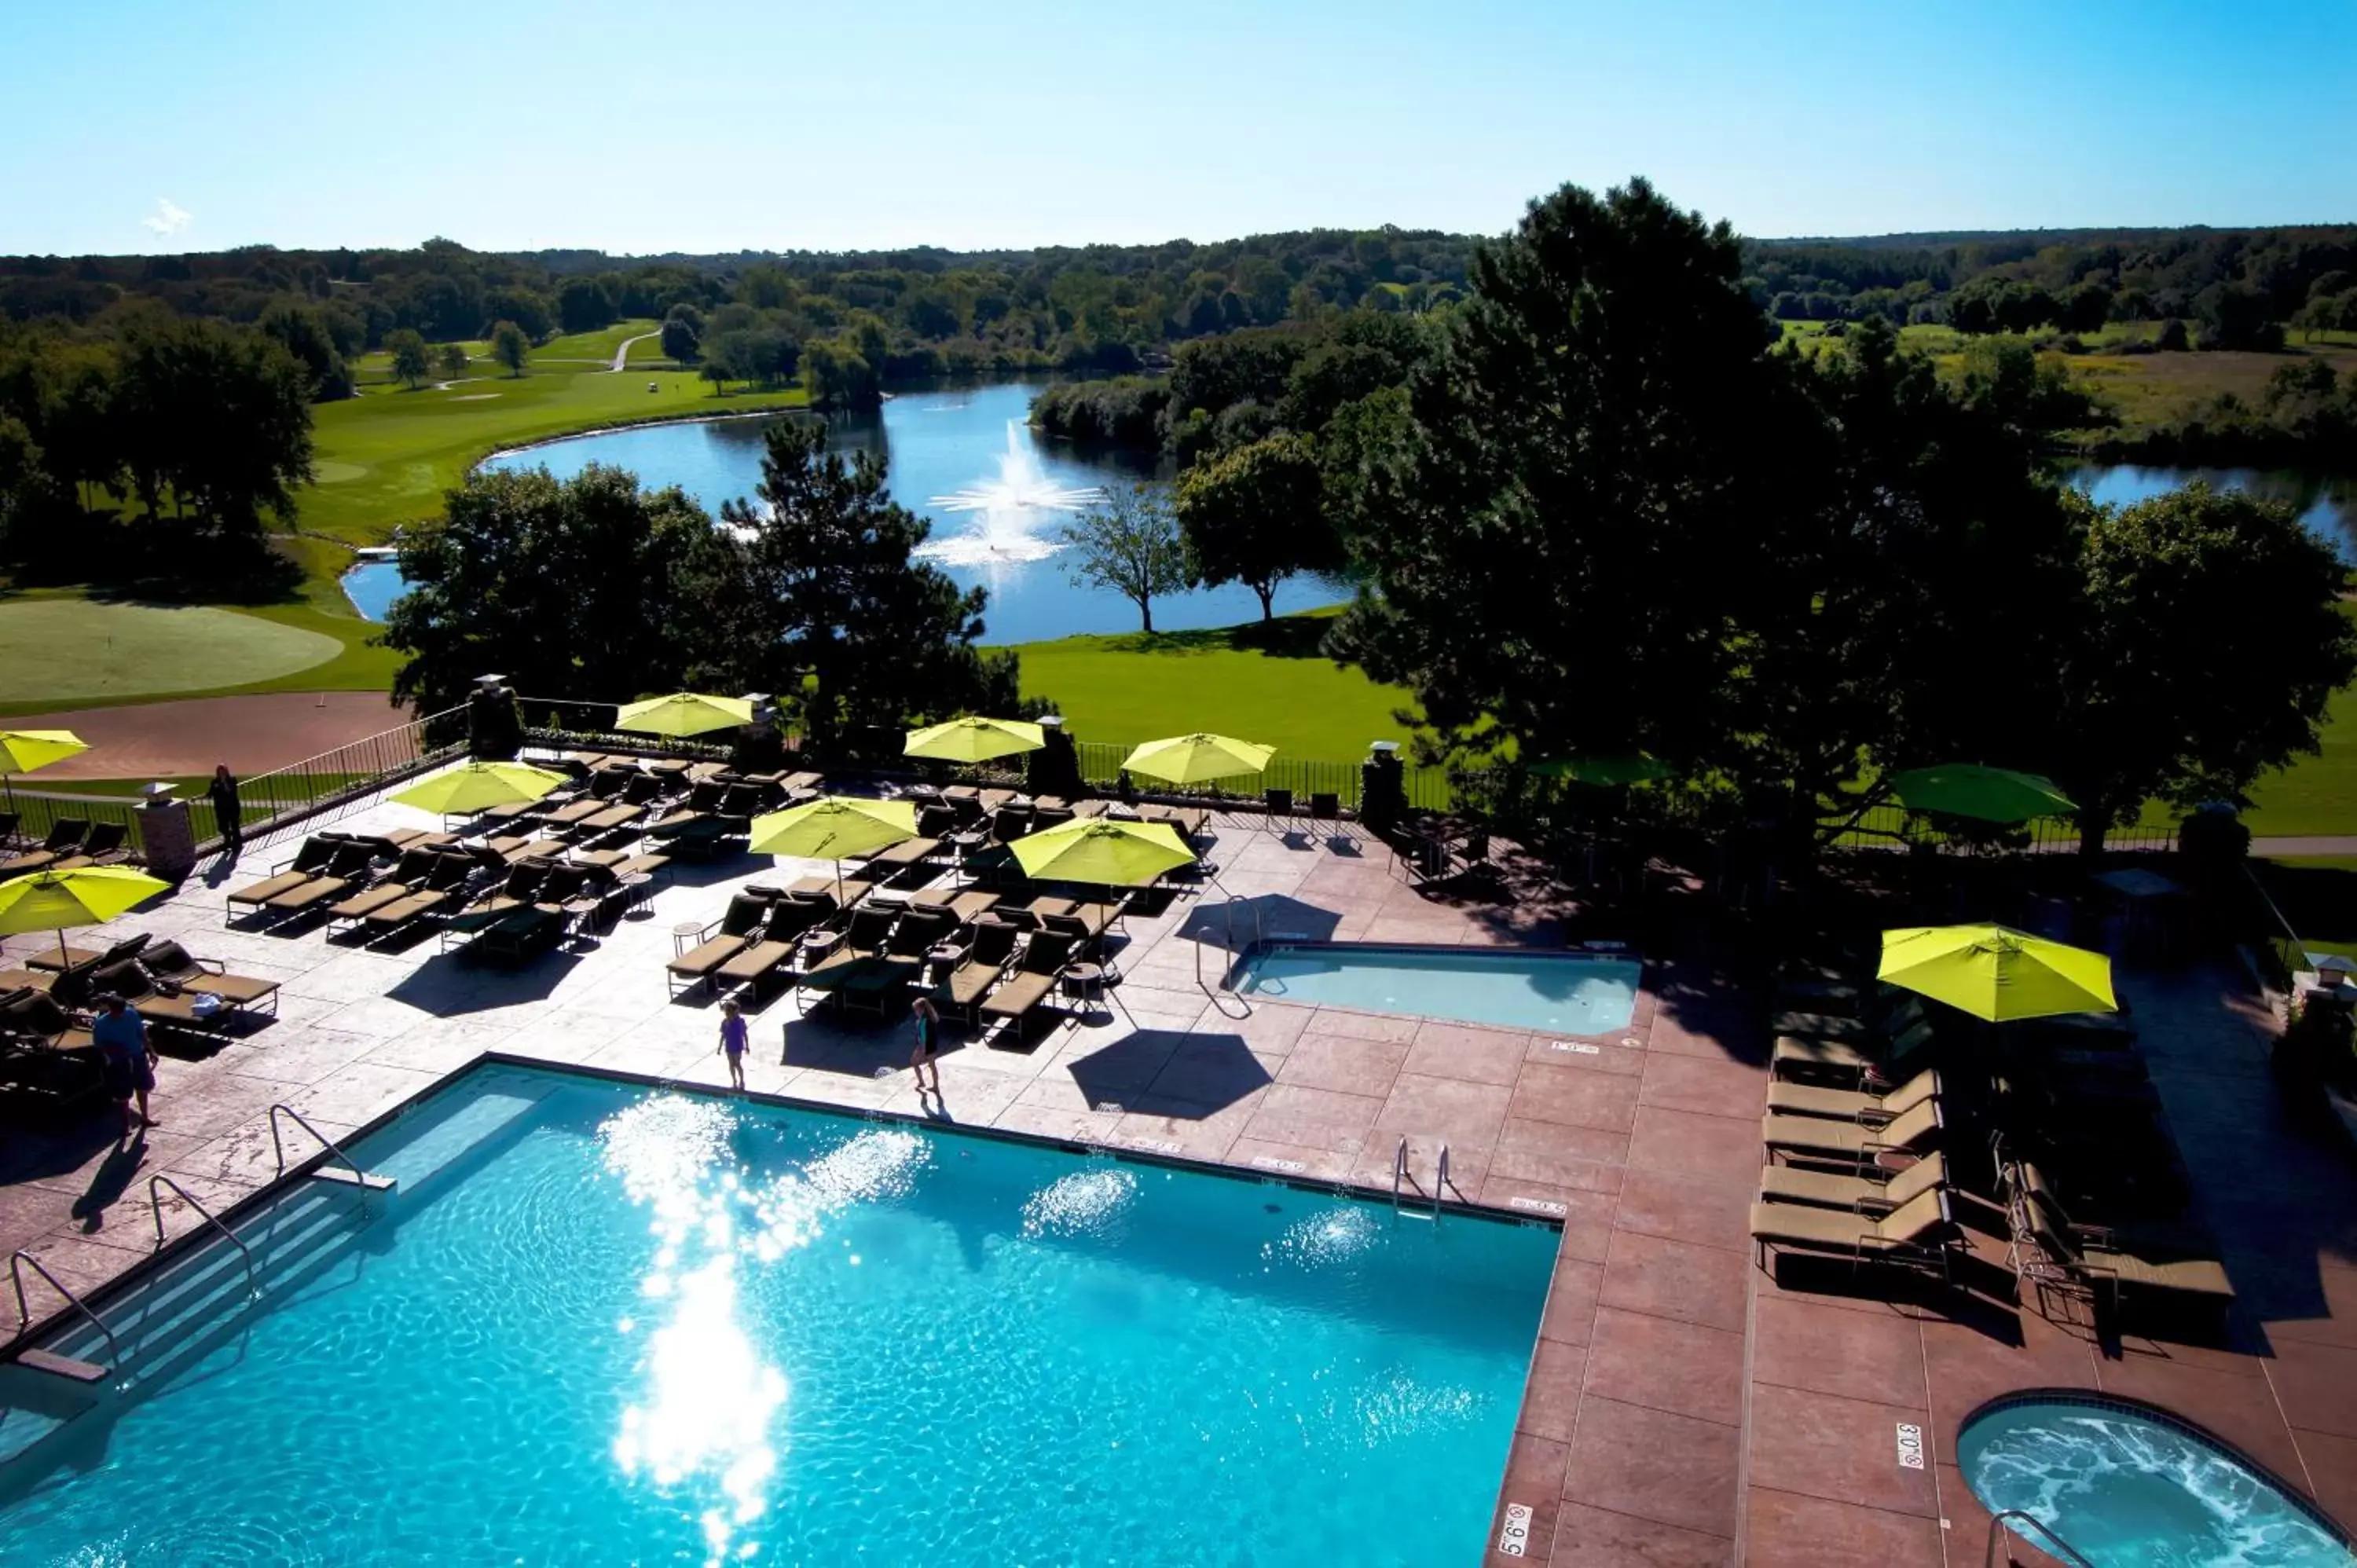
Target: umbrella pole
[62, 964]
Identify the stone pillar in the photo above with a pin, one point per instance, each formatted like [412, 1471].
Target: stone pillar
[166, 839]
[1055, 767]
[494, 728]
[759, 748]
[1383, 788]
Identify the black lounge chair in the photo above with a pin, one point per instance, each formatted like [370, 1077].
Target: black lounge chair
[173, 968]
[1032, 980]
[65, 837]
[310, 859]
[718, 943]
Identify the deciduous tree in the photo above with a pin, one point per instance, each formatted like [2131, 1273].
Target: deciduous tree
[410, 363]
[450, 360]
[510, 347]
[1256, 516]
[1130, 544]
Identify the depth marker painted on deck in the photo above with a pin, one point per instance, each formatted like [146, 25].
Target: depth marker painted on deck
[1513, 1537]
[1910, 1445]
[1271, 1162]
[1154, 1146]
[1574, 1047]
[1538, 1205]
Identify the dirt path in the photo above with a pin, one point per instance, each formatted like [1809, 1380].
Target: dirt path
[173, 740]
[622, 354]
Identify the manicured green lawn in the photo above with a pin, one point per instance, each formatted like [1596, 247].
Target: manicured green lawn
[60, 649]
[386, 456]
[1237, 681]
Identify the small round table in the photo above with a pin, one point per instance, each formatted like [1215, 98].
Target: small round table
[1084, 982]
[684, 936]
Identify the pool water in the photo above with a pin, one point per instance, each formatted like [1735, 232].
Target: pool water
[1559, 993]
[604, 1324]
[2130, 1492]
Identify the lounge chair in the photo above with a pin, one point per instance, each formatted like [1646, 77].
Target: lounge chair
[106, 845]
[1824, 1026]
[353, 866]
[518, 937]
[65, 836]
[173, 968]
[1850, 1060]
[2052, 1256]
[9, 821]
[985, 958]
[187, 1009]
[1815, 1138]
[312, 860]
[1858, 1194]
[518, 889]
[777, 942]
[445, 881]
[1918, 1232]
[408, 876]
[1032, 982]
[863, 936]
[967, 906]
[875, 982]
[38, 1018]
[49, 959]
[1853, 1105]
[718, 943]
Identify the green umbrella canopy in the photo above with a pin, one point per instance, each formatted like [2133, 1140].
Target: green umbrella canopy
[1100, 851]
[23, 750]
[1196, 759]
[1604, 768]
[477, 786]
[85, 896]
[1990, 794]
[833, 826]
[1995, 973]
[975, 739]
[683, 714]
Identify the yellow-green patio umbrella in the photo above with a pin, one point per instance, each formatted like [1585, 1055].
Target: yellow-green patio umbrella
[975, 739]
[683, 714]
[1995, 973]
[1604, 768]
[1989, 794]
[85, 896]
[1197, 758]
[23, 750]
[475, 786]
[1101, 851]
[833, 826]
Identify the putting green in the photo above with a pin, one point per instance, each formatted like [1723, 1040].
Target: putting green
[67, 651]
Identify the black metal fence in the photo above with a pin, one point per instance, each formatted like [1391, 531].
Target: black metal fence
[1427, 789]
[268, 803]
[1892, 826]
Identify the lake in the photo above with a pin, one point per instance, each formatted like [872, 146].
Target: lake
[995, 492]
[2327, 506]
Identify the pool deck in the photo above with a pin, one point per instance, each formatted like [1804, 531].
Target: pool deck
[1682, 1407]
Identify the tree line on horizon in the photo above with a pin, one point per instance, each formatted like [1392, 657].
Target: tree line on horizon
[908, 314]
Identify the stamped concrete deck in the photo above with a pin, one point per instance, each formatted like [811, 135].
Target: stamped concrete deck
[1682, 1407]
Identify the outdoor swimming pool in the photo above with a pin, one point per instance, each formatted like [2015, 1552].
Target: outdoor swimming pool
[2129, 1490]
[1566, 994]
[599, 1323]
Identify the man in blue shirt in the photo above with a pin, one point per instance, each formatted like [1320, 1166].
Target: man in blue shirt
[121, 1036]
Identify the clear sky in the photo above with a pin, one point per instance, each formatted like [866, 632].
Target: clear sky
[131, 126]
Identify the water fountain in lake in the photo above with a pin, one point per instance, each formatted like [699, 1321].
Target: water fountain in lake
[1011, 517]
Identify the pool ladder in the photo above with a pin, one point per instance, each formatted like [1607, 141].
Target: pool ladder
[1400, 1179]
[2010, 1522]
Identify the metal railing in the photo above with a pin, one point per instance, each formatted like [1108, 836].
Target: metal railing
[326, 1143]
[2280, 950]
[342, 778]
[16, 1260]
[577, 724]
[1893, 826]
[1429, 788]
[2010, 1524]
[155, 1207]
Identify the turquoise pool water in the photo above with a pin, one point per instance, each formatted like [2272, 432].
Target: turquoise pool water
[603, 1324]
[1562, 993]
[2130, 1492]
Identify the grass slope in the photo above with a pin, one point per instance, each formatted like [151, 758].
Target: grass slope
[386, 456]
[1264, 684]
[60, 649]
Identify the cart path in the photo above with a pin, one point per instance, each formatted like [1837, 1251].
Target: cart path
[622, 354]
[176, 739]
[2324, 844]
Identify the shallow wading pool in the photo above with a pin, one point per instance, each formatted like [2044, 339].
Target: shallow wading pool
[1566, 994]
[600, 1323]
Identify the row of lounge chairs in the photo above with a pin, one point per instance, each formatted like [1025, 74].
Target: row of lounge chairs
[983, 959]
[71, 842]
[1863, 1096]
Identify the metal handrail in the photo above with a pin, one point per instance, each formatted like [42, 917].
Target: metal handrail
[2013, 1520]
[25, 1311]
[1440, 1178]
[1399, 1168]
[329, 1143]
[155, 1207]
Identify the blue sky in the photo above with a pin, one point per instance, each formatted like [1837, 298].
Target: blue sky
[135, 126]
